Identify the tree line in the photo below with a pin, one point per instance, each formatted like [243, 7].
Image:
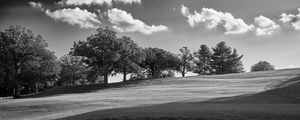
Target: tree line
[28, 66]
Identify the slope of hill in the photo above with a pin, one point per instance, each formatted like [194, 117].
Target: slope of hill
[169, 97]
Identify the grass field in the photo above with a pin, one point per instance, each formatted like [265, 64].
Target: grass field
[258, 95]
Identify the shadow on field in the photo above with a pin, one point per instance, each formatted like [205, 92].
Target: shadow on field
[278, 103]
[283, 92]
[132, 83]
[90, 88]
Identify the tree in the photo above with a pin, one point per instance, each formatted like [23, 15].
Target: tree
[100, 52]
[131, 56]
[262, 66]
[19, 48]
[186, 59]
[39, 72]
[158, 60]
[234, 62]
[73, 71]
[225, 61]
[202, 61]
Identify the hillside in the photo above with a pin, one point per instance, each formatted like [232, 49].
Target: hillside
[165, 97]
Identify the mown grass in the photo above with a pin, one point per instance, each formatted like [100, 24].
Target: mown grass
[187, 94]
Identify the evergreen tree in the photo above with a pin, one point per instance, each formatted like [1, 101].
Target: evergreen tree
[234, 62]
[225, 61]
[202, 61]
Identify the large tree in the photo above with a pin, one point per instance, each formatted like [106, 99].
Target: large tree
[225, 61]
[202, 61]
[186, 59]
[100, 52]
[262, 66]
[158, 61]
[19, 47]
[131, 56]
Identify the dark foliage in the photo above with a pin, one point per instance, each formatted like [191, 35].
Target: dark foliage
[202, 61]
[26, 63]
[262, 66]
[185, 62]
[158, 61]
[225, 61]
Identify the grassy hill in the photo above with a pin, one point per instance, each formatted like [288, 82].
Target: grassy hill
[257, 95]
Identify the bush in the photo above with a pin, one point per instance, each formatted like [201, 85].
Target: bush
[262, 66]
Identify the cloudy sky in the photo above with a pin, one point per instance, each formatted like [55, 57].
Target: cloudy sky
[259, 29]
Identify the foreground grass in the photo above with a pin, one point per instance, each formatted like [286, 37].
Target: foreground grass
[174, 98]
[197, 111]
[281, 103]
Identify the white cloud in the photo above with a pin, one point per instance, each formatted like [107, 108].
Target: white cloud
[76, 16]
[96, 2]
[124, 22]
[265, 26]
[290, 19]
[185, 11]
[212, 19]
[38, 5]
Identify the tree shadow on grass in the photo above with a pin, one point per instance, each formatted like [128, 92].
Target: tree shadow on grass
[90, 88]
[282, 92]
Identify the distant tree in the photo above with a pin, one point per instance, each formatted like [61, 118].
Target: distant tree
[131, 55]
[225, 61]
[73, 71]
[262, 66]
[19, 47]
[202, 61]
[186, 59]
[158, 61]
[100, 52]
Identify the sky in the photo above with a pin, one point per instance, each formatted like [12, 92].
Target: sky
[261, 30]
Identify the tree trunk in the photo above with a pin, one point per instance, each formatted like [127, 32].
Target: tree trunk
[124, 74]
[183, 74]
[17, 91]
[106, 79]
[155, 74]
[17, 82]
[183, 71]
[36, 88]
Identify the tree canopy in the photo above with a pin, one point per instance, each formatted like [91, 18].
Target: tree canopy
[131, 55]
[262, 66]
[23, 52]
[158, 61]
[185, 62]
[73, 71]
[100, 51]
[202, 61]
[28, 66]
[225, 61]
